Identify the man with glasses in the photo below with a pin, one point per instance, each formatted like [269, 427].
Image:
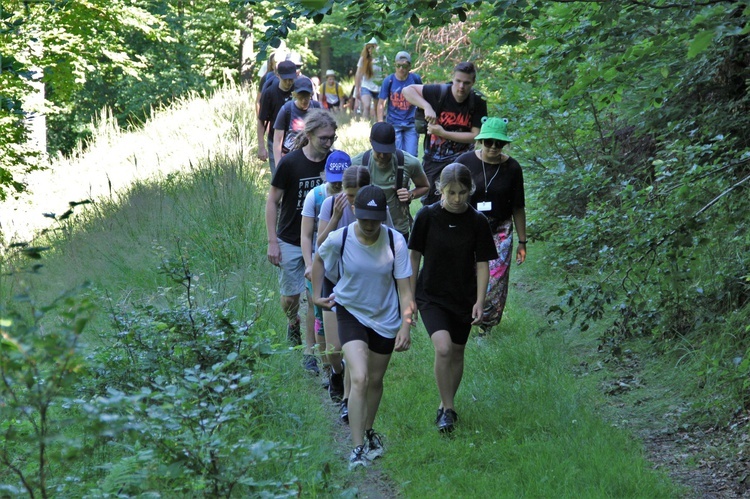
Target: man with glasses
[454, 115]
[394, 109]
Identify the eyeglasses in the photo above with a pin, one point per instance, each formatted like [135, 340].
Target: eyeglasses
[328, 138]
[494, 143]
[402, 66]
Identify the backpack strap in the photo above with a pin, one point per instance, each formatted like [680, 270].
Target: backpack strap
[399, 167]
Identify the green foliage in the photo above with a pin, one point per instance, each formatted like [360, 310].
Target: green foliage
[40, 361]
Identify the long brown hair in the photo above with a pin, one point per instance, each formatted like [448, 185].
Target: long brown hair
[367, 60]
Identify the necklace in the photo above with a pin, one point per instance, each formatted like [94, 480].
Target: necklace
[484, 172]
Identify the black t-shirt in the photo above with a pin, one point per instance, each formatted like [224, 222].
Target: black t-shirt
[453, 117]
[291, 120]
[271, 101]
[296, 176]
[451, 244]
[505, 181]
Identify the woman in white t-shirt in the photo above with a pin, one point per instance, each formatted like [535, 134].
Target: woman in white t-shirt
[368, 78]
[374, 309]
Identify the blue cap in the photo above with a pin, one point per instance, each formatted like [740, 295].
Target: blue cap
[337, 162]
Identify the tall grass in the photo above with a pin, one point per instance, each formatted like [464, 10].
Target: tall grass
[527, 427]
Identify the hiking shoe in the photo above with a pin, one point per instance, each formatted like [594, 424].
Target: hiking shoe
[357, 458]
[293, 335]
[336, 386]
[311, 364]
[373, 445]
[344, 411]
[439, 414]
[447, 420]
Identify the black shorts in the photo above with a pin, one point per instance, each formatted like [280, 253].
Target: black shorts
[436, 318]
[351, 329]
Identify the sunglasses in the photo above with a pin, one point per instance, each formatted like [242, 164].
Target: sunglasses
[494, 143]
[328, 138]
[402, 66]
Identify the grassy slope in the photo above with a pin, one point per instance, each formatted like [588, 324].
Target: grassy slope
[527, 428]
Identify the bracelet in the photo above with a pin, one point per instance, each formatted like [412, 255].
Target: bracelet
[521, 242]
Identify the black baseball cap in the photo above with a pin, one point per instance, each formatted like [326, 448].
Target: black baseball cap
[303, 84]
[286, 70]
[370, 204]
[383, 137]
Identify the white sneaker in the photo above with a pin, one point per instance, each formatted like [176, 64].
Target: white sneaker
[357, 457]
[373, 445]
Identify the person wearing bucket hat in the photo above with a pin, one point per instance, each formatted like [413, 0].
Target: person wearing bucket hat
[393, 108]
[336, 164]
[373, 312]
[393, 170]
[500, 196]
[332, 96]
[453, 113]
[368, 78]
[272, 99]
[291, 117]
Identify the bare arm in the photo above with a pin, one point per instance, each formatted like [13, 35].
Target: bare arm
[421, 186]
[483, 277]
[408, 309]
[381, 109]
[413, 94]
[416, 259]
[272, 209]
[262, 152]
[318, 271]
[358, 82]
[278, 141]
[461, 137]
[308, 224]
[519, 220]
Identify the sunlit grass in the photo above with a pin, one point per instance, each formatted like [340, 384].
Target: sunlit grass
[527, 426]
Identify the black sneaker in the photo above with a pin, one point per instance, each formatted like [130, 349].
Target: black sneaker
[293, 335]
[336, 386]
[344, 411]
[373, 445]
[357, 457]
[439, 414]
[447, 420]
[311, 364]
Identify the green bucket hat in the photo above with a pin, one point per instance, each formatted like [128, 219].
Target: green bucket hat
[494, 128]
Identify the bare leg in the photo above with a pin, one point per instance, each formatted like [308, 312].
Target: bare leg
[333, 344]
[377, 365]
[449, 367]
[366, 103]
[357, 354]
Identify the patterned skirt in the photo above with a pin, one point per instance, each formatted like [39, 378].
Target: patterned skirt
[497, 288]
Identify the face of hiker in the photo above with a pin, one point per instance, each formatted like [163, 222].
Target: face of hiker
[331, 80]
[351, 193]
[322, 139]
[382, 159]
[462, 84]
[369, 228]
[302, 100]
[455, 197]
[402, 69]
[286, 84]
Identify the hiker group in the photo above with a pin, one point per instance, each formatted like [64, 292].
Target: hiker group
[341, 231]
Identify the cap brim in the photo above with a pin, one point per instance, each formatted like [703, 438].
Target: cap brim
[383, 148]
[288, 76]
[334, 177]
[365, 214]
[496, 136]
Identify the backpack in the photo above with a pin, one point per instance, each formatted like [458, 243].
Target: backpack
[323, 96]
[420, 123]
[319, 191]
[399, 169]
[393, 252]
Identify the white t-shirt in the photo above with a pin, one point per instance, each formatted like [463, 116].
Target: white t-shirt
[371, 84]
[366, 287]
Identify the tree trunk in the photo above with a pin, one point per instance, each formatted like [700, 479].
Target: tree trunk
[325, 55]
[247, 54]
